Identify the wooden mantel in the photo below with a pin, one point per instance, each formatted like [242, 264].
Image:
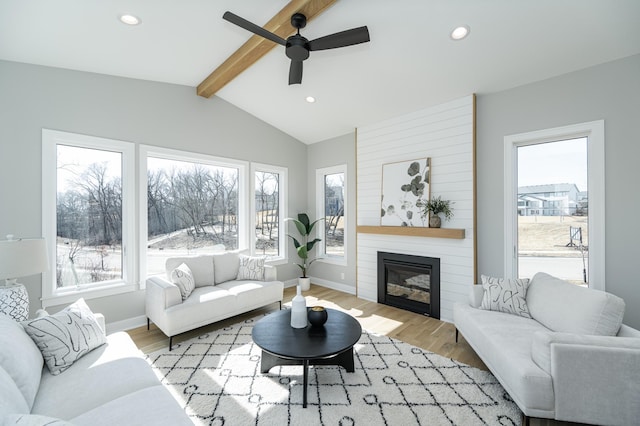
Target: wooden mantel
[413, 231]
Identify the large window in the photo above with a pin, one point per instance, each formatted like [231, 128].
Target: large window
[194, 204]
[554, 203]
[331, 188]
[268, 210]
[87, 199]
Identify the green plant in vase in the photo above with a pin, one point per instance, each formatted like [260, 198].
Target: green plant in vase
[303, 247]
[433, 208]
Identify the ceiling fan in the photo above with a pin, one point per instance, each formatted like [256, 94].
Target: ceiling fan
[297, 47]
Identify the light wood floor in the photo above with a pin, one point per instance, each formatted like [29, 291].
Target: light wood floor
[418, 330]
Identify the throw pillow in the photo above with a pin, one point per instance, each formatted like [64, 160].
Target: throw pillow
[183, 278]
[251, 268]
[66, 336]
[505, 295]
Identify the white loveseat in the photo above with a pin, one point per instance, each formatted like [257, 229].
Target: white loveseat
[572, 361]
[111, 385]
[218, 293]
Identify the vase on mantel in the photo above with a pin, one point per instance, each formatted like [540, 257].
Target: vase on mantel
[435, 221]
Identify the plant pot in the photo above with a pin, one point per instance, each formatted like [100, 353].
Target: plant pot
[435, 221]
[304, 283]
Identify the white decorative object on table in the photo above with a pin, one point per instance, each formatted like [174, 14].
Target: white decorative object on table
[19, 258]
[299, 310]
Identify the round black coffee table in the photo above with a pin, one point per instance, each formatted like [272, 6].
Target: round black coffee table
[331, 344]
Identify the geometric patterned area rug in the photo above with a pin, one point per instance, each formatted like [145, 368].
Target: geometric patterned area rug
[216, 378]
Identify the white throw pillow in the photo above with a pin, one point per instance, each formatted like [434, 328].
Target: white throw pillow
[183, 278]
[251, 268]
[505, 295]
[66, 336]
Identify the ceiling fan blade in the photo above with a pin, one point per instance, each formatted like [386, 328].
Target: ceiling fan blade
[250, 26]
[341, 39]
[295, 72]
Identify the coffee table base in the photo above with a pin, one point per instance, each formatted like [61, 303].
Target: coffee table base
[343, 359]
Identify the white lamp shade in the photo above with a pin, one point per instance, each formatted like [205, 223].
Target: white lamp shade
[22, 257]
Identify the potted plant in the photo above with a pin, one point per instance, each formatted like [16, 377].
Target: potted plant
[303, 247]
[433, 207]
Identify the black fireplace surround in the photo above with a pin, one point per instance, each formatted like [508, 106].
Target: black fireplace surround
[409, 282]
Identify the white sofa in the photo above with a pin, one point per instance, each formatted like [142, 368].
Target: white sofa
[111, 385]
[572, 360]
[218, 294]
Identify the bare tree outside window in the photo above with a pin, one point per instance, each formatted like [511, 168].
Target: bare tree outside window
[267, 211]
[88, 216]
[191, 208]
[334, 214]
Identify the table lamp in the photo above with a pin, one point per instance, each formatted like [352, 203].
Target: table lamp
[19, 258]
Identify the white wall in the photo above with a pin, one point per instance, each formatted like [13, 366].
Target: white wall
[445, 134]
[609, 92]
[34, 97]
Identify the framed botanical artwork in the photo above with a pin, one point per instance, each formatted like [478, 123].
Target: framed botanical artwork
[405, 185]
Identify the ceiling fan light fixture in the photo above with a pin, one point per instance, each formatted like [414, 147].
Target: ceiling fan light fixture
[130, 19]
[460, 32]
[310, 99]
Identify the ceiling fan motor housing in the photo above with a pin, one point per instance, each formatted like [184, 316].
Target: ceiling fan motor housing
[297, 48]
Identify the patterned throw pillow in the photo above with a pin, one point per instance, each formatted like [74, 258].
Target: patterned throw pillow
[251, 268]
[505, 295]
[183, 278]
[66, 336]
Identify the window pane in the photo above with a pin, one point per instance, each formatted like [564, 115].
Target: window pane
[267, 213]
[192, 208]
[334, 214]
[88, 216]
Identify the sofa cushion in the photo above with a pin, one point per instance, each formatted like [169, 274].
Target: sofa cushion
[150, 406]
[20, 358]
[226, 266]
[66, 336]
[201, 268]
[253, 294]
[251, 268]
[562, 306]
[183, 278]
[11, 399]
[505, 295]
[33, 420]
[108, 372]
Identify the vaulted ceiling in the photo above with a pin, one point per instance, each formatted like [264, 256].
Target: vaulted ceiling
[410, 63]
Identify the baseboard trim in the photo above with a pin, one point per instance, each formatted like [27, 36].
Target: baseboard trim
[334, 285]
[126, 324]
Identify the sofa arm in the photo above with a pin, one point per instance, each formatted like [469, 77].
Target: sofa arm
[475, 295]
[270, 273]
[596, 379]
[161, 294]
[101, 322]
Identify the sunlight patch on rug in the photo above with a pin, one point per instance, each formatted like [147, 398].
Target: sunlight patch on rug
[216, 378]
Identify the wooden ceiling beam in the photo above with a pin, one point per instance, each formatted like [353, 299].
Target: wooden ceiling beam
[256, 47]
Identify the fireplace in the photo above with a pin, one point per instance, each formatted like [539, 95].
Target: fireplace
[409, 282]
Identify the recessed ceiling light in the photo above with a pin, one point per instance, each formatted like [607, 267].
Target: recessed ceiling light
[461, 32]
[311, 99]
[130, 19]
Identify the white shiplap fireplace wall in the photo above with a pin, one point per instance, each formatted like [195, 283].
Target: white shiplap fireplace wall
[445, 133]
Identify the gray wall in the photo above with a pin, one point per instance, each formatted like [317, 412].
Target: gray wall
[610, 92]
[333, 152]
[158, 114]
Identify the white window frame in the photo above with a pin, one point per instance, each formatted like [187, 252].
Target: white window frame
[594, 131]
[322, 255]
[52, 296]
[281, 259]
[179, 155]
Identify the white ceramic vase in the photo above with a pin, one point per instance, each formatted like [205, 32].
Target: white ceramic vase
[298, 310]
